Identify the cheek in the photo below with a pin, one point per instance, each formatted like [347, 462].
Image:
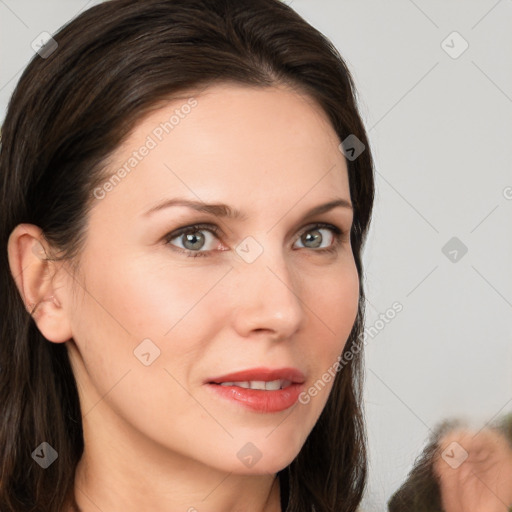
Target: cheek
[149, 297]
[336, 303]
[132, 309]
[335, 308]
[140, 306]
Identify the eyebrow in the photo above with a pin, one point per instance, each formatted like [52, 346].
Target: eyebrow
[225, 211]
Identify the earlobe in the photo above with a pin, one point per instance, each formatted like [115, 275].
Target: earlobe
[35, 275]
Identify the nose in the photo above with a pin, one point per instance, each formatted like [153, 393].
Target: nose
[268, 296]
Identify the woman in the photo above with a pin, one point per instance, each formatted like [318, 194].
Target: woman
[135, 377]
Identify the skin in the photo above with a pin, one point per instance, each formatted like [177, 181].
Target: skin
[482, 483]
[155, 437]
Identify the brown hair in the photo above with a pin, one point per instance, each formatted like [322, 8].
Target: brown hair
[70, 110]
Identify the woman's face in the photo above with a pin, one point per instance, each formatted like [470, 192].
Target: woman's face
[153, 326]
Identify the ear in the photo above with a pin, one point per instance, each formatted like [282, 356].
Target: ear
[41, 285]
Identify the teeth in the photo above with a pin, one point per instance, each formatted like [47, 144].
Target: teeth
[273, 385]
[256, 384]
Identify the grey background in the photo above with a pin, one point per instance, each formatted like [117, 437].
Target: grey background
[440, 130]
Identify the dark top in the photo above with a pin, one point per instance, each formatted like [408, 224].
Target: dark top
[284, 488]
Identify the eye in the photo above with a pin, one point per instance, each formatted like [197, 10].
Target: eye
[192, 238]
[312, 237]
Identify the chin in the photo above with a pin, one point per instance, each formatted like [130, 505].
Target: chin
[270, 461]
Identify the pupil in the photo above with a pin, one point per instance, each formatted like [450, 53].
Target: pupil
[308, 237]
[193, 239]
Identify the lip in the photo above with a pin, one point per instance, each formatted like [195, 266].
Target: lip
[259, 400]
[294, 375]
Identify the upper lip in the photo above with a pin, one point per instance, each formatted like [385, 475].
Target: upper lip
[261, 374]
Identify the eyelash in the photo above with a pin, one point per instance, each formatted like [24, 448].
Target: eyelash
[338, 235]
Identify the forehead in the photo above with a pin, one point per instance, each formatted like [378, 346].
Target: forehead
[231, 143]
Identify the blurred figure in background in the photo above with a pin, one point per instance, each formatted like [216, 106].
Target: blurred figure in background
[460, 470]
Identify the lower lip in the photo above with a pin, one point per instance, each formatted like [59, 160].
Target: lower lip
[260, 400]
